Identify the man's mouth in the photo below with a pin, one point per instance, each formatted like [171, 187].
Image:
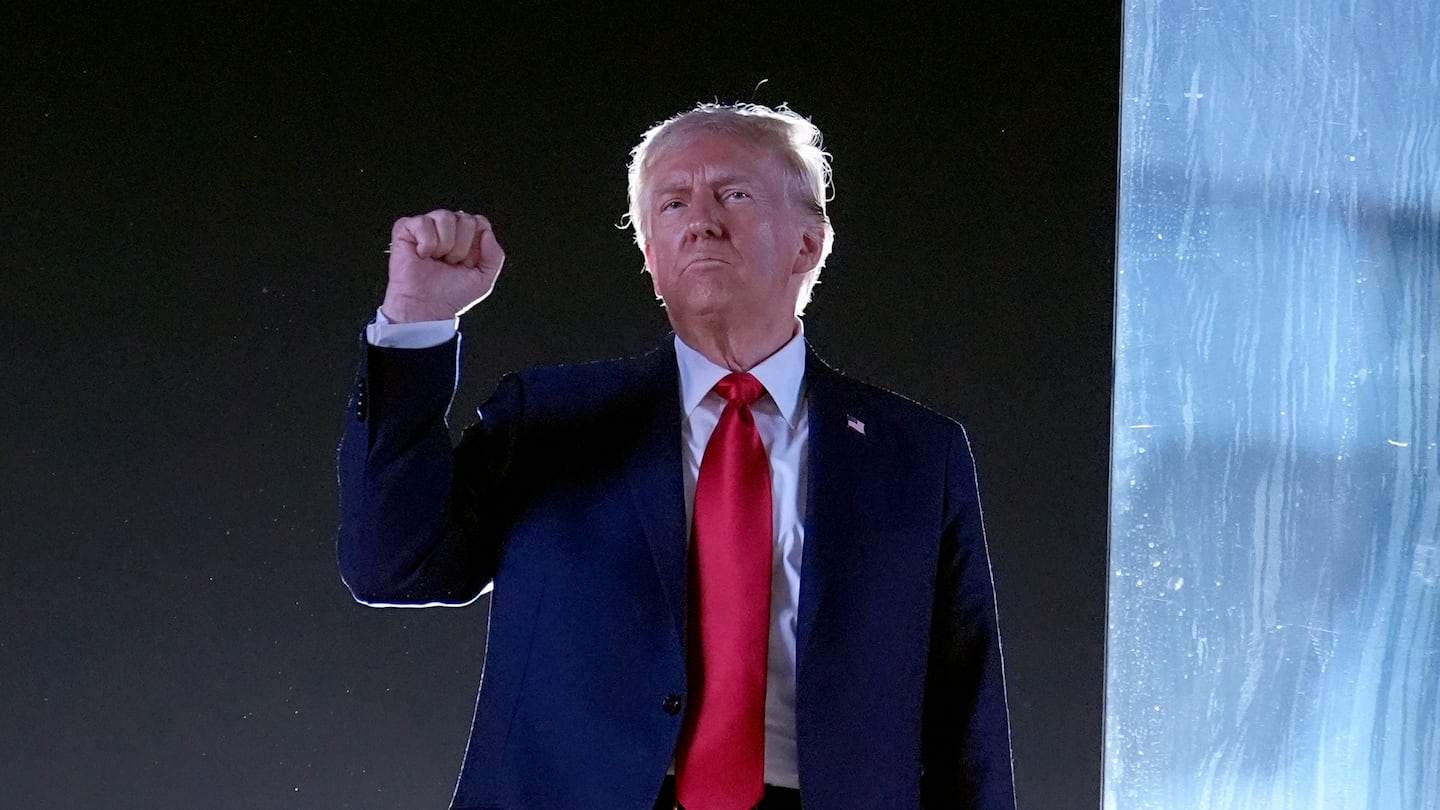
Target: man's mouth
[704, 260]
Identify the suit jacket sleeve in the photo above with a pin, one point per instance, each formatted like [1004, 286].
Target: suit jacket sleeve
[967, 729]
[421, 523]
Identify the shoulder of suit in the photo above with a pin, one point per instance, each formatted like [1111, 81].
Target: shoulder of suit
[894, 406]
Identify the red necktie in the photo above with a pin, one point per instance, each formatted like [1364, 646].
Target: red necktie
[721, 759]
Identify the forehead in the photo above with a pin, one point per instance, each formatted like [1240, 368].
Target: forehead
[710, 155]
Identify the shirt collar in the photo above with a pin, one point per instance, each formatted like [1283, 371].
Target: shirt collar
[781, 373]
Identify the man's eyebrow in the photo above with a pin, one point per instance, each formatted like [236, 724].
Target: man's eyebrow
[683, 184]
[732, 179]
[669, 188]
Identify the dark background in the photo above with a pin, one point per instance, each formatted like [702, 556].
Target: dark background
[194, 212]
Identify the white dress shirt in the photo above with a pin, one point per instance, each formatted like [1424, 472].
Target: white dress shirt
[784, 425]
[783, 422]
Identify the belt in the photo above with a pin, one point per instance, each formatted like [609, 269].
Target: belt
[776, 798]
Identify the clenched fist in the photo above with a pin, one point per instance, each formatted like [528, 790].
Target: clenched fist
[441, 264]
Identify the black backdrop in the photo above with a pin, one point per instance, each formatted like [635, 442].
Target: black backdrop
[194, 212]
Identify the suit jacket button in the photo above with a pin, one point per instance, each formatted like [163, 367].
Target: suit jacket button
[672, 704]
[360, 409]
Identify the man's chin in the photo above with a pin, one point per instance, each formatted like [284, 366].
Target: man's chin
[689, 311]
[701, 312]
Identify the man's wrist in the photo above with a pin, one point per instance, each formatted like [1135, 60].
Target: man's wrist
[382, 331]
[402, 308]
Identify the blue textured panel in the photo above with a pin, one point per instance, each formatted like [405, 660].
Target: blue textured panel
[1274, 626]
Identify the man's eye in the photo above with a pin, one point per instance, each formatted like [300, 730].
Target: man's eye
[737, 195]
[670, 205]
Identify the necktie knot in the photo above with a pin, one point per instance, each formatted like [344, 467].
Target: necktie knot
[739, 388]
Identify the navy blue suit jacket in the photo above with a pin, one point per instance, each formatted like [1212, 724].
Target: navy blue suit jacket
[568, 494]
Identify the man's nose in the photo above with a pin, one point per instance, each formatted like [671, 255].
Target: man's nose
[705, 219]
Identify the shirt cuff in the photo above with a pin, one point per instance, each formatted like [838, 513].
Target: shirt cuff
[416, 335]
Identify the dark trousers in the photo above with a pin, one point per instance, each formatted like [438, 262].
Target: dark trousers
[776, 798]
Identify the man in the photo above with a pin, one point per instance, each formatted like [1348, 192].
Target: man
[724, 574]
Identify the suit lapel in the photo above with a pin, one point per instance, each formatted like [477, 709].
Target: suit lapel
[655, 475]
[833, 502]
[835, 497]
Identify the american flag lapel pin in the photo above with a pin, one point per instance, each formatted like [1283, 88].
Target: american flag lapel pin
[855, 425]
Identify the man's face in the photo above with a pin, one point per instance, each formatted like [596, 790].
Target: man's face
[727, 234]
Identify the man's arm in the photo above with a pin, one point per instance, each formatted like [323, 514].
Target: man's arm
[967, 728]
[413, 531]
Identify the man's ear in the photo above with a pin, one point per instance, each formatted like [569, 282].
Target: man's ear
[650, 268]
[812, 241]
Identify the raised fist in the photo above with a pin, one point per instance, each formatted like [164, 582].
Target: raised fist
[441, 264]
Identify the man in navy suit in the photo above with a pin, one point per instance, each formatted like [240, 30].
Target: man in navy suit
[588, 496]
